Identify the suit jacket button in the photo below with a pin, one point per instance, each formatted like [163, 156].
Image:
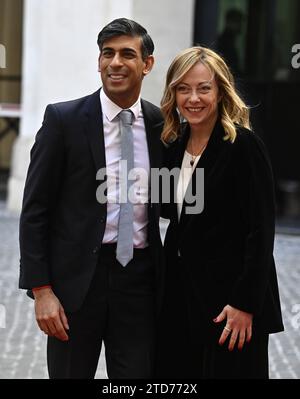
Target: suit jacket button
[102, 220]
[95, 250]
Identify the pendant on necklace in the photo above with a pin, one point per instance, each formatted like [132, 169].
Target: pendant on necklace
[191, 162]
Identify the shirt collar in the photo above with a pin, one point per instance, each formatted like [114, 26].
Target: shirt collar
[111, 110]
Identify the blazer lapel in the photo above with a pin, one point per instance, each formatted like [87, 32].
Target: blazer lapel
[153, 129]
[94, 130]
[206, 162]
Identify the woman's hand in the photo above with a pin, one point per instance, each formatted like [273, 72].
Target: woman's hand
[238, 326]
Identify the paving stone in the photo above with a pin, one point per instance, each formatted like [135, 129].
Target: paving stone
[23, 346]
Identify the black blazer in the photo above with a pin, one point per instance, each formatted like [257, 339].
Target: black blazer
[228, 247]
[62, 224]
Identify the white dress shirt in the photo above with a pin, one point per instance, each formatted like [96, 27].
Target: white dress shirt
[140, 188]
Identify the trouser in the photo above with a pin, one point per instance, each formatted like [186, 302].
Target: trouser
[119, 311]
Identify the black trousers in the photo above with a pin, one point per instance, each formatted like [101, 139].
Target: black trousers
[119, 310]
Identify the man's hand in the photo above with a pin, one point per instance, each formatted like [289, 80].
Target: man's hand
[50, 314]
[238, 324]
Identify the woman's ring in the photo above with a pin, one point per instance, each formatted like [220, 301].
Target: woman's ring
[227, 329]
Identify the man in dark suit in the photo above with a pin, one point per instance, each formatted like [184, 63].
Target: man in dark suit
[70, 237]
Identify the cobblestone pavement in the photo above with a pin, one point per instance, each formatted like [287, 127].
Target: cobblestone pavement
[23, 346]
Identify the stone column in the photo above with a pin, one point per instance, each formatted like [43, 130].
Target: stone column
[60, 58]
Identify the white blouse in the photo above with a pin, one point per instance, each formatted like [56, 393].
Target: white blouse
[185, 175]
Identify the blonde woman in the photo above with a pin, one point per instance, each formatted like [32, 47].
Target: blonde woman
[219, 258]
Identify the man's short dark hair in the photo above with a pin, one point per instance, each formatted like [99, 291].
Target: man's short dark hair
[124, 26]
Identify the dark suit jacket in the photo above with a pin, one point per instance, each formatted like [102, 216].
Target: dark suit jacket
[228, 247]
[62, 224]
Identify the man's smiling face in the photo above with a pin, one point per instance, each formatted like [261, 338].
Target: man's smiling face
[123, 69]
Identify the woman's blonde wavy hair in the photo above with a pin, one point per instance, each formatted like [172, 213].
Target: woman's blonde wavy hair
[232, 109]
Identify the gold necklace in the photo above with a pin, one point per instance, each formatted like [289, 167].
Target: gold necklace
[192, 161]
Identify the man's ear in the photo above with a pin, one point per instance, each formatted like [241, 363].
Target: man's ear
[149, 62]
[99, 69]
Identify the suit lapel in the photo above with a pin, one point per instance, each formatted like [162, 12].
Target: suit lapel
[153, 129]
[94, 130]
